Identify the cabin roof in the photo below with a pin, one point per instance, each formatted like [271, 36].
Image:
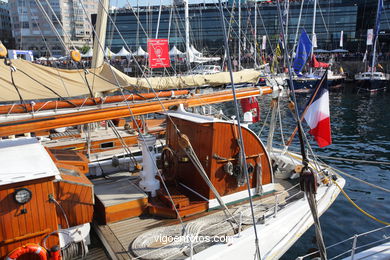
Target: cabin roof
[182, 114]
[24, 159]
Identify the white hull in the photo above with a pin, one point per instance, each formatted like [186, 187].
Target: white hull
[278, 234]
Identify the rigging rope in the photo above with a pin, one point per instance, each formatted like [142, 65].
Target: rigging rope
[128, 105]
[353, 177]
[349, 199]
[359, 208]
[240, 140]
[309, 179]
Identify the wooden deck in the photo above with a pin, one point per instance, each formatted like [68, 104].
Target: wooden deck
[117, 237]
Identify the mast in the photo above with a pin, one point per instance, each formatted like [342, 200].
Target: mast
[187, 31]
[158, 20]
[255, 34]
[313, 32]
[100, 36]
[239, 34]
[137, 36]
[377, 23]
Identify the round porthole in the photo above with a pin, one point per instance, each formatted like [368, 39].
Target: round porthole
[22, 196]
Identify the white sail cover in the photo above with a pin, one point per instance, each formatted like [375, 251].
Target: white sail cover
[175, 51]
[123, 52]
[140, 52]
[88, 54]
[33, 81]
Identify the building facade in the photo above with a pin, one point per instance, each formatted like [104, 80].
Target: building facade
[5, 26]
[353, 17]
[51, 27]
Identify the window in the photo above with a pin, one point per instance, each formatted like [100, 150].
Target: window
[106, 145]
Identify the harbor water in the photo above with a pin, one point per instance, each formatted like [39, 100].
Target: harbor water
[360, 131]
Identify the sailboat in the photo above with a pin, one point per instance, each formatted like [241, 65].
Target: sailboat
[306, 83]
[372, 80]
[216, 190]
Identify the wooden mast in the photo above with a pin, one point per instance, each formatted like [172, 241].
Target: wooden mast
[78, 118]
[100, 36]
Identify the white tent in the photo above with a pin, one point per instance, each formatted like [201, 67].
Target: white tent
[196, 52]
[175, 51]
[88, 54]
[108, 53]
[123, 53]
[140, 52]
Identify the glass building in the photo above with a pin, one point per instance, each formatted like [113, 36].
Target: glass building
[353, 17]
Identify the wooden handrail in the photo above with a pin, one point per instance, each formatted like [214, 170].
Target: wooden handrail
[12, 240]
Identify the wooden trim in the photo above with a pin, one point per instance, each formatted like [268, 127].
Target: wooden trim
[8, 109]
[39, 233]
[24, 183]
[43, 123]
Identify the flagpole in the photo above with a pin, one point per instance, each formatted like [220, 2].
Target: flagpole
[313, 33]
[376, 35]
[255, 35]
[239, 34]
[307, 107]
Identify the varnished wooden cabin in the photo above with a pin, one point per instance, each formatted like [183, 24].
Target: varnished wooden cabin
[41, 192]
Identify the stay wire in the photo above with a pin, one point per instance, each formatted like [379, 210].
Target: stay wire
[131, 112]
[240, 141]
[305, 161]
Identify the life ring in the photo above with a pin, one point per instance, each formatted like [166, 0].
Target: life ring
[75, 55]
[26, 249]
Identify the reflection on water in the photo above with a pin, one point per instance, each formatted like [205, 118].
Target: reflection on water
[361, 131]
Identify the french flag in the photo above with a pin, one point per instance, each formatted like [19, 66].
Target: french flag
[317, 113]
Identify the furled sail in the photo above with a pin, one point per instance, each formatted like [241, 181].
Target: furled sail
[34, 81]
[189, 81]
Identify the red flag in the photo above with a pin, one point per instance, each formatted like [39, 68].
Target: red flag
[158, 50]
[316, 64]
[318, 115]
[251, 104]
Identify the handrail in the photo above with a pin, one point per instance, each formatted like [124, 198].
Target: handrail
[354, 237]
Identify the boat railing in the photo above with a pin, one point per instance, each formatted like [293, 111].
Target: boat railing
[267, 214]
[354, 248]
[262, 216]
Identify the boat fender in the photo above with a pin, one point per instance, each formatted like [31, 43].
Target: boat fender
[28, 249]
[3, 50]
[291, 106]
[228, 168]
[75, 56]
